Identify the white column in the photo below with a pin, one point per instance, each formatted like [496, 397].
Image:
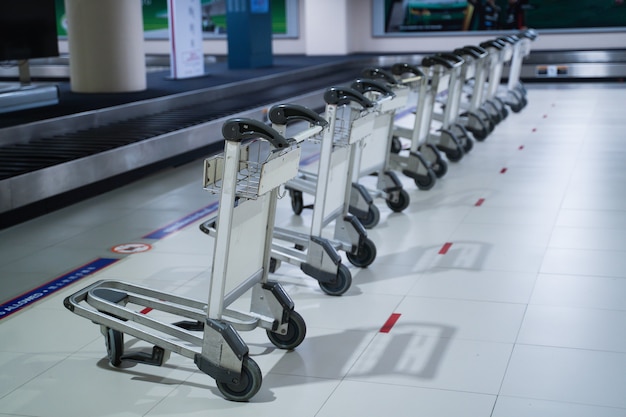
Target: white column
[106, 45]
[326, 31]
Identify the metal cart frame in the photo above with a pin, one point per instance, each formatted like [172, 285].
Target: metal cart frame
[247, 188]
[331, 184]
[372, 153]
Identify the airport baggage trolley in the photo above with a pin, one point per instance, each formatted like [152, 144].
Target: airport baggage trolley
[450, 102]
[317, 255]
[371, 157]
[500, 52]
[247, 188]
[421, 152]
[412, 164]
[331, 185]
[473, 116]
[444, 79]
[521, 49]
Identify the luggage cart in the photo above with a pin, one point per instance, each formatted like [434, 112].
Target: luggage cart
[473, 116]
[331, 184]
[412, 164]
[450, 101]
[421, 152]
[247, 186]
[444, 79]
[371, 157]
[360, 202]
[315, 255]
[500, 52]
[516, 90]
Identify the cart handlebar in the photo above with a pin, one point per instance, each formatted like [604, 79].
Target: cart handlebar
[344, 95]
[364, 85]
[474, 51]
[432, 60]
[243, 128]
[379, 73]
[282, 114]
[404, 68]
[494, 43]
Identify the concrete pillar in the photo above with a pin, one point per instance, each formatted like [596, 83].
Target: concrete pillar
[106, 45]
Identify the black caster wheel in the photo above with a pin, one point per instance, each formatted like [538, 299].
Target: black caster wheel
[341, 284]
[372, 218]
[244, 387]
[364, 256]
[114, 341]
[396, 145]
[479, 134]
[454, 155]
[297, 203]
[468, 145]
[440, 168]
[401, 204]
[296, 331]
[426, 182]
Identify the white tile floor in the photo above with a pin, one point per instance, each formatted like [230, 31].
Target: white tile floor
[525, 315]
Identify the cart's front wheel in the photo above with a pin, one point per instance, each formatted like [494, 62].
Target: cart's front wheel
[246, 386]
[364, 256]
[401, 203]
[440, 168]
[372, 218]
[342, 282]
[426, 182]
[296, 330]
[297, 202]
[396, 144]
[114, 341]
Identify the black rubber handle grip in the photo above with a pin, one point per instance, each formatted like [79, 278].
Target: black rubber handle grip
[404, 68]
[474, 51]
[344, 95]
[282, 114]
[379, 73]
[452, 57]
[432, 60]
[363, 84]
[239, 129]
[494, 43]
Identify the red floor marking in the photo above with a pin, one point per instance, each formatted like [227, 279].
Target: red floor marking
[146, 310]
[480, 202]
[545, 116]
[389, 323]
[503, 170]
[444, 249]
[521, 147]
[534, 129]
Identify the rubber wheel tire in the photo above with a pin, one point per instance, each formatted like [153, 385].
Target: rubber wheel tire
[403, 200]
[372, 219]
[341, 284]
[245, 387]
[454, 155]
[396, 145]
[440, 168]
[297, 203]
[296, 331]
[364, 256]
[114, 342]
[427, 182]
[468, 145]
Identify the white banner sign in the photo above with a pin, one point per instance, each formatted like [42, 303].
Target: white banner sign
[185, 27]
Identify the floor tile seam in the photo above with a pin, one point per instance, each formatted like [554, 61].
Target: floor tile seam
[33, 378]
[421, 387]
[572, 348]
[504, 396]
[470, 300]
